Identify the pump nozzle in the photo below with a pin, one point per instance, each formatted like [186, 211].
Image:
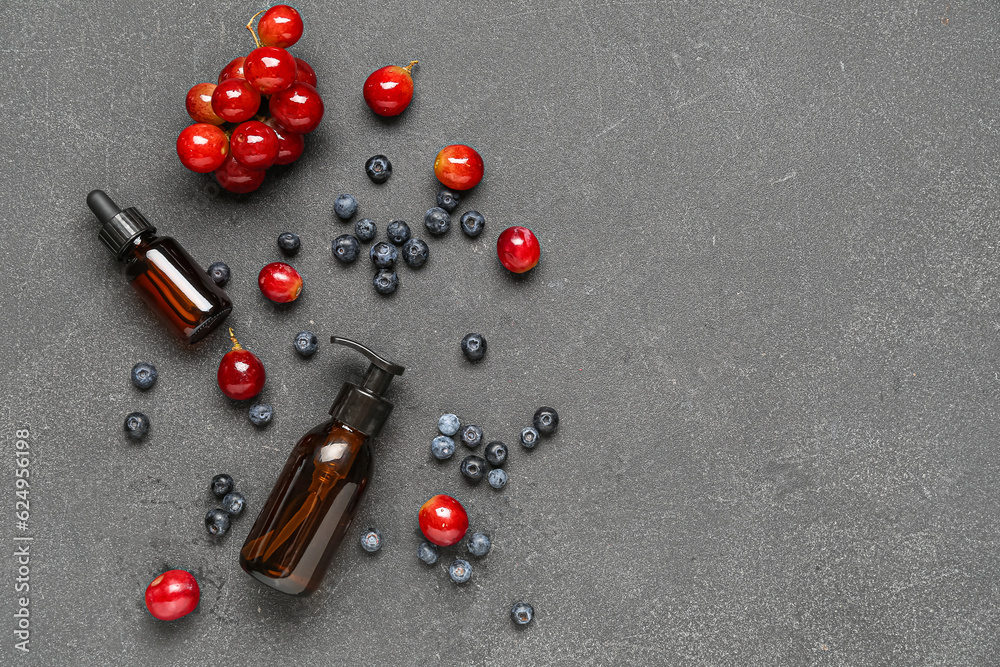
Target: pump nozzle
[380, 373]
[363, 407]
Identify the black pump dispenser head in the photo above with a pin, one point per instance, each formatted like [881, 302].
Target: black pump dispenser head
[363, 407]
[120, 227]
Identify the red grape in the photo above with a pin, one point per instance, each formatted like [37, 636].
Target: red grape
[518, 249]
[234, 177]
[443, 520]
[458, 167]
[172, 595]
[254, 145]
[290, 145]
[235, 101]
[202, 147]
[388, 90]
[298, 108]
[304, 72]
[280, 26]
[199, 104]
[234, 70]
[269, 69]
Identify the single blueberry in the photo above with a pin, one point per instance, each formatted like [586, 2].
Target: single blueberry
[497, 478]
[522, 613]
[365, 230]
[427, 552]
[442, 447]
[474, 346]
[529, 437]
[448, 424]
[289, 243]
[345, 207]
[479, 544]
[437, 221]
[219, 273]
[383, 255]
[447, 199]
[144, 375]
[233, 503]
[415, 253]
[546, 420]
[216, 522]
[261, 414]
[306, 343]
[398, 232]
[346, 248]
[460, 571]
[136, 425]
[471, 436]
[496, 453]
[221, 485]
[378, 168]
[371, 540]
[472, 223]
[385, 281]
[473, 467]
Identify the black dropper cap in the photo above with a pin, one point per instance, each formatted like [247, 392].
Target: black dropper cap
[363, 407]
[119, 227]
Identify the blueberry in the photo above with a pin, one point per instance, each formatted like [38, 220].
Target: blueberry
[427, 552]
[473, 467]
[345, 207]
[442, 447]
[221, 485]
[144, 375]
[219, 273]
[522, 613]
[398, 232]
[136, 425]
[306, 343]
[497, 478]
[479, 544]
[472, 223]
[383, 255]
[371, 540]
[385, 281]
[378, 168]
[496, 453]
[546, 420]
[437, 221]
[289, 243]
[415, 253]
[346, 248]
[474, 346]
[447, 199]
[365, 230]
[216, 522]
[460, 571]
[471, 436]
[261, 414]
[233, 503]
[529, 437]
[448, 424]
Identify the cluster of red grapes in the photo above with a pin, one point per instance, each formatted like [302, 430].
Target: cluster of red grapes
[270, 99]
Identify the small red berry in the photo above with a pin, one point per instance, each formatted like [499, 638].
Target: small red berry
[279, 282]
[254, 145]
[172, 595]
[269, 69]
[235, 101]
[234, 177]
[290, 145]
[241, 374]
[202, 147]
[388, 90]
[304, 72]
[518, 249]
[458, 167]
[280, 26]
[199, 104]
[234, 70]
[299, 108]
[443, 520]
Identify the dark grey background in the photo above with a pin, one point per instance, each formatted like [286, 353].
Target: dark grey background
[766, 311]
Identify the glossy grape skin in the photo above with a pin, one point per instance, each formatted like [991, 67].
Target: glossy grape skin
[304, 72]
[234, 70]
[280, 25]
[290, 145]
[518, 249]
[443, 520]
[199, 104]
[298, 108]
[269, 69]
[241, 375]
[234, 177]
[202, 147]
[280, 282]
[172, 595]
[388, 90]
[235, 101]
[459, 167]
[254, 145]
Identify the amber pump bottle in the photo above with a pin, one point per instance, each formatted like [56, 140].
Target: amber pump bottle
[178, 290]
[312, 503]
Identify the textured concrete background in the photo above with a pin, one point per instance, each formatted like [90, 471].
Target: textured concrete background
[767, 313]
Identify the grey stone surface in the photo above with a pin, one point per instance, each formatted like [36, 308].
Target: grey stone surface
[766, 311]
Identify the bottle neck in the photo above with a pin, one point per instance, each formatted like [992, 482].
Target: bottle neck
[361, 409]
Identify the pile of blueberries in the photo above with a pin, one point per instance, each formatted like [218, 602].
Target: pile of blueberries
[217, 519]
